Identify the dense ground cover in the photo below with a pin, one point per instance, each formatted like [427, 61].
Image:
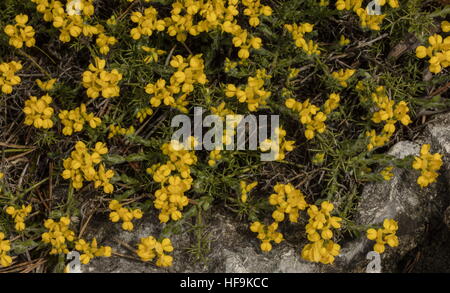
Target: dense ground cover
[90, 87]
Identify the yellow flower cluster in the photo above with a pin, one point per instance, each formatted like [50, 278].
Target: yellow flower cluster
[209, 13]
[71, 19]
[253, 94]
[38, 112]
[189, 72]
[343, 41]
[322, 248]
[230, 65]
[19, 215]
[90, 250]
[75, 119]
[149, 248]
[171, 198]
[280, 146]
[81, 166]
[319, 228]
[242, 40]
[214, 14]
[254, 9]
[388, 113]
[214, 157]
[153, 54]
[58, 235]
[438, 50]
[8, 79]
[118, 212]
[104, 41]
[298, 34]
[267, 234]
[246, 188]
[20, 33]
[310, 116]
[386, 173]
[343, 75]
[385, 235]
[331, 103]
[147, 23]
[98, 81]
[222, 111]
[117, 130]
[318, 159]
[322, 251]
[428, 164]
[287, 200]
[371, 21]
[5, 247]
[445, 26]
[143, 113]
[47, 85]
[194, 17]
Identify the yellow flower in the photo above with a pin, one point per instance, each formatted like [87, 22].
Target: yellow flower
[90, 250]
[74, 120]
[383, 236]
[115, 130]
[310, 116]
[428, 164]
[8, 79]
[58, 235]
[19, 215]
[81, 164]
[267, 234]
[343, 41]
[38, 112]
[388, 113]
[343, 75]
[298, 32]
[149, 248]
[189, 72]
[118, 212]
[323, 251]
[20, 33]
[147, 23]
[5, 247]
[99, 81]
[104, 42]
[246, 188]
[46, 86]
[253, 94]
[421, 52]
[445, 26]
[153, 54]
[386, 173]
[287, 200]
[438, 51]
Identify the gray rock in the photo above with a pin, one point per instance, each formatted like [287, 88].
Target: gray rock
[402, 199]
